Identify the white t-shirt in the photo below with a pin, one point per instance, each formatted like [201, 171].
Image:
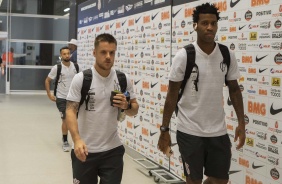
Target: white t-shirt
[97, 126]
[67, 74]
[201, 113]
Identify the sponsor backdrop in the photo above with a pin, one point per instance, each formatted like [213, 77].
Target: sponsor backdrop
[149, 33]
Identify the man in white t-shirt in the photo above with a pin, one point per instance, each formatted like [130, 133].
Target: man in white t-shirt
[201, 130]
[97, 149]
[68, 70]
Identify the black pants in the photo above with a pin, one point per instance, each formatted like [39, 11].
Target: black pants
[107, 165]
[61, 105]
[211, 153]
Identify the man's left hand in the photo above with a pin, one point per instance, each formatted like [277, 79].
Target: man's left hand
[240, 133]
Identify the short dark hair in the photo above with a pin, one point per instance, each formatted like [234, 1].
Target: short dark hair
[63, 48]
[105, 37]
[205, 8]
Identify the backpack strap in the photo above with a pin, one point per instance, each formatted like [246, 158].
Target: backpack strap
[76, 67]
[226, 58]
[191, 55]
[59, 69]
[87, 79]
[122, 81]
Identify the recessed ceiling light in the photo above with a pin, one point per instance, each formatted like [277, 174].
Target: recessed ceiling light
[65, 10]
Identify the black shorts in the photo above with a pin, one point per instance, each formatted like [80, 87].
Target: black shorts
[211, 153]
[107, 165]
[61, 105]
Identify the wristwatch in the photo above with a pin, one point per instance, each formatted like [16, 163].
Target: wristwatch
[128, 106]
[164, 129]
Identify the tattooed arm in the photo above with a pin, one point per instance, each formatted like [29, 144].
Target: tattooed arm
[237, 101]
[80, 148]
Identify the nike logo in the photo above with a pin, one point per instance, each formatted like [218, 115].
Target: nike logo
[136, 126]
[232, 172]
[260, 71]
[256, 166]
[136, 55]
[258, 59]
[229, 101]
[166, 62]
[173, 144]
[161, 76]
[123, 23]
[241, 27]
[154, 16]
[136, 20]
[174, 14]
[136, 82]
[112, 25]
[153, 85]
[166, 54]
[192, 31]
[274, 111]
[232, 4]
[152, 134]
[102, 27]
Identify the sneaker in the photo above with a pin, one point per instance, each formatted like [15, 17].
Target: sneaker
[66, 146]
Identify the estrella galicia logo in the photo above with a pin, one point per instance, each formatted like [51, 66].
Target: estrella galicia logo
[154, 16]
[160, 26]
[223, 66]
[233, 4]
[274, 111]
[274, 174]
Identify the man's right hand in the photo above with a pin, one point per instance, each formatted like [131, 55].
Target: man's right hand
[52, 97]
[164, 142]
[80, 150]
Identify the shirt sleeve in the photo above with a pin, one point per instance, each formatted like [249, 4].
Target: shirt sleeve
[53, 72]
[178, 66]
[75, 88]
[233, 71]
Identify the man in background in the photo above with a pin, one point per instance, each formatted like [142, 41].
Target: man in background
[73, 49]
[67, 73]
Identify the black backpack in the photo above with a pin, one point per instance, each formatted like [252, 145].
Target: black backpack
[190, 51]
[87, 79]
[59, 69]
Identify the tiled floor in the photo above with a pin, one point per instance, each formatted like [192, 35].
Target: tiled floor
[30, 145]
